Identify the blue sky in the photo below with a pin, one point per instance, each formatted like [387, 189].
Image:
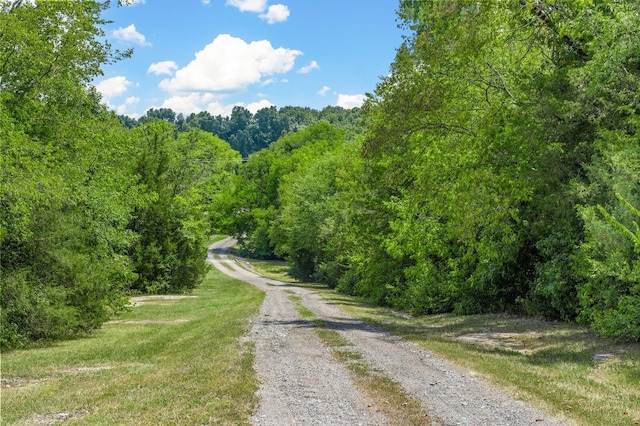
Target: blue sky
[195, 55]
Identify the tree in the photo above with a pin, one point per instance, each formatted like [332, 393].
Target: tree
[166, 114]
[66, 192]
[252, 204]
[179, 173]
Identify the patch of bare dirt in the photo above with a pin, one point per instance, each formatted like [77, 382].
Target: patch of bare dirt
[174, 321]
[158, 299]
[505, 341]
[88, 369]
[54, 418]
[16, 382]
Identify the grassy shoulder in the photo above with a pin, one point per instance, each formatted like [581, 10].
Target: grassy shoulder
[564, 369]
[166, 361]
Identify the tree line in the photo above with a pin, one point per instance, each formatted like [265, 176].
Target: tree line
[248, 133]
[90, 211]
[498, 170]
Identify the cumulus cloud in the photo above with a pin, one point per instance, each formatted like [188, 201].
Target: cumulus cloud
[163, 67]
[350, 101]
[113, 87]
[186, 104]
[229, 64]
[275, 13]
[257, 106]
[308, 68]
[123, 109]
[130, 35]
[196, 102]
[256, 6]
[218, 108]
[324, 90]
[131, 2]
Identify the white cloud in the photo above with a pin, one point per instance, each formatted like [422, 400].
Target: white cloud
[163, 67]
[257, 106]
[229, 64]
[350, 101]
[308, 68]
[130, 35]
[217, 108]
[123, 109]
[276, 13]
[256, 6]
[132, 2]
[324, 90]
[113, 87]
[206, 1]
[194, 102]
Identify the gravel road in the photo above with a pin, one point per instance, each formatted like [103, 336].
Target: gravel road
[302, 384]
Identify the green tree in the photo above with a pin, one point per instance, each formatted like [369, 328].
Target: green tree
[252, 204]
[66, 191]
[180, 173]
[609, 93]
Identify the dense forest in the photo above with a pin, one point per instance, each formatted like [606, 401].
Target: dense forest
[495, 169]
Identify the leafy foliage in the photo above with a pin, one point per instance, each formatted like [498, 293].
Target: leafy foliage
[497, 170]
[178, 172]
[248, 133]
[88, 209]
[66, 191]
[251, 207]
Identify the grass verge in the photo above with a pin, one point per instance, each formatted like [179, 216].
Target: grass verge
[272, 269]
[564, 369]
[166, 361]
[389, 398]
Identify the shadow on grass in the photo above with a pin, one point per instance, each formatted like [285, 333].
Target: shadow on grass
[542, 342]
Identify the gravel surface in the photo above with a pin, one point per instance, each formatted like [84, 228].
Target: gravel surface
[301, 383]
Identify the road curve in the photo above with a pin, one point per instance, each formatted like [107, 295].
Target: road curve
[300, 381]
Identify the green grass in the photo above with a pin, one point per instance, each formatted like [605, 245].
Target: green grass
[272, 269]
[214, 238]
[304, 312]
[550, 365]
[164, 362]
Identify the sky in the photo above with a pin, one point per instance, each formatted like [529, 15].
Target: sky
[196, 55]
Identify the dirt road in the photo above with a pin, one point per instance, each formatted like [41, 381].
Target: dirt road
[301, 383]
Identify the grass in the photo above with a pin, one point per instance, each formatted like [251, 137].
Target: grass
[304, 312]
[564, 369]
[389, 398]
[163, 362]
[272, 269]
[553, 366]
